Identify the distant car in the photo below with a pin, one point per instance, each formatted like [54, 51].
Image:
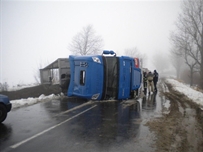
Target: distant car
[5, 107]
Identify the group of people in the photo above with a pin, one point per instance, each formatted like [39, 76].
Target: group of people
[150, 81]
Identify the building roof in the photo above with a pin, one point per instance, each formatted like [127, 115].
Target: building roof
[55, 64]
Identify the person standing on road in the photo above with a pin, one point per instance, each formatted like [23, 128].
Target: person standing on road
[145, 82]
[150, 83]
[155, 79]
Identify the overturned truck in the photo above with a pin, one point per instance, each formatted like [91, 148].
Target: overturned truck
[101, 77]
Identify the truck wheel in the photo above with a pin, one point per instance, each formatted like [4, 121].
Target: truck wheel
[3, 113]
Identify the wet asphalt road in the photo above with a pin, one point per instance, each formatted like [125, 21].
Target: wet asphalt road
[74, 125]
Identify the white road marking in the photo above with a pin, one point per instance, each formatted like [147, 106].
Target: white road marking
[41, 133]
[72, 109]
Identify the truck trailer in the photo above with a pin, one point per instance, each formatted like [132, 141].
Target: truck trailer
[104, 77]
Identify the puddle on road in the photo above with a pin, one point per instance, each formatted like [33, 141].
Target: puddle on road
[115, 126]
[124, 123]
[121, 126]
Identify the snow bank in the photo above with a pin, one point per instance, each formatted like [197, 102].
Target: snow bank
[192, 94]
[31, 101]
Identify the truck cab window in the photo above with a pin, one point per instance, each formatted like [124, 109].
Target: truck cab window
[82, 77]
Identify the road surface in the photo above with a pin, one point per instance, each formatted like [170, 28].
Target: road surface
[75, 125]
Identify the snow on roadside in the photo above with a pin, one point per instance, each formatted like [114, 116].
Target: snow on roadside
[30, 101]
[192, 94]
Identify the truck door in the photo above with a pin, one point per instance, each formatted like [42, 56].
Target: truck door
[78, 76]
[86, 77]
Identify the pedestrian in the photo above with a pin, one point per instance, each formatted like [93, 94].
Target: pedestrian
[145, 82]
[155, 79]
[150, 83]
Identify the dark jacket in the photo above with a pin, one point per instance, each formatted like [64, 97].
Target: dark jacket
[156, 77]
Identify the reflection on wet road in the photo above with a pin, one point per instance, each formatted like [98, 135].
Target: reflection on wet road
[76, 125]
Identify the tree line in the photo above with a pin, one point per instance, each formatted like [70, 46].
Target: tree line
[187, 39]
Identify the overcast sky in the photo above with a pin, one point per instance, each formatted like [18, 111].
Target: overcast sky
[39, 32]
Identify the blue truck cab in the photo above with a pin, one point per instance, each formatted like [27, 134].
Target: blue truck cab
[87, 74]
[103, 77]
[5, 107]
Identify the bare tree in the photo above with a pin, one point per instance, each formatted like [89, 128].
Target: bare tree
[184, 48]
[177, 62]
[133, 52]
[86, 42]
[4, 86]
[189, 35]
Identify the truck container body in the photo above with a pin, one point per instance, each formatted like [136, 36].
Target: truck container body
[103, 77]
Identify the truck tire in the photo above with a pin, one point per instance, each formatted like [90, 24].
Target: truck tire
[3, 113]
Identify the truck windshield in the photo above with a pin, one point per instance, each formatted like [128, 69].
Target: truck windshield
[111, 77]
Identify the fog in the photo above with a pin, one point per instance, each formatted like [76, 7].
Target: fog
[35, 33]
